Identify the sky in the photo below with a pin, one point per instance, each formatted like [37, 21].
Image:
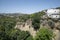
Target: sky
[27, 6]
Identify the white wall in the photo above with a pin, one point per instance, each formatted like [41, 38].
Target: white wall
[55, 12]
[55, 16]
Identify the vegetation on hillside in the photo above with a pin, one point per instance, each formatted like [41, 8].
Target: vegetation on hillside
[44, 34]
[36, 19]
[24, 18]
[57, 7]
[9, 32]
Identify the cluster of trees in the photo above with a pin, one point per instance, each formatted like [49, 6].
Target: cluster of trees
[24, 17]
[44, 34]
[36, 22]
[57, 7]
[8, 32]
[36, 19]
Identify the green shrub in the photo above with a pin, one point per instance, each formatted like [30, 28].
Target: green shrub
[51, 24]
[44, 34]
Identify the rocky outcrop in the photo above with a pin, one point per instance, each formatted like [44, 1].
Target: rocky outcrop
[26, 26]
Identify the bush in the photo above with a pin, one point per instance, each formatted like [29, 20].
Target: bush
[44, 34]
[36, 19]
[36, 23]
[51, 24]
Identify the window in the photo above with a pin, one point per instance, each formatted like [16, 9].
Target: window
[56, 16]
[49, 15]
[55, 11]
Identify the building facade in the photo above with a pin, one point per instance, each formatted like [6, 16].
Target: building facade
[53, 13]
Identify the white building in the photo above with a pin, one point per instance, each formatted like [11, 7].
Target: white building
[53, 13]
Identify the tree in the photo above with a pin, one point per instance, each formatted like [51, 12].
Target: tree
[58, 8]
[44, 34]
[36, 21]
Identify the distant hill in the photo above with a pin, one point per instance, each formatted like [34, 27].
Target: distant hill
[22, 14]
[12, 14]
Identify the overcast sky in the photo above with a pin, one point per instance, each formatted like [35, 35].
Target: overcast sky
[27, 6]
